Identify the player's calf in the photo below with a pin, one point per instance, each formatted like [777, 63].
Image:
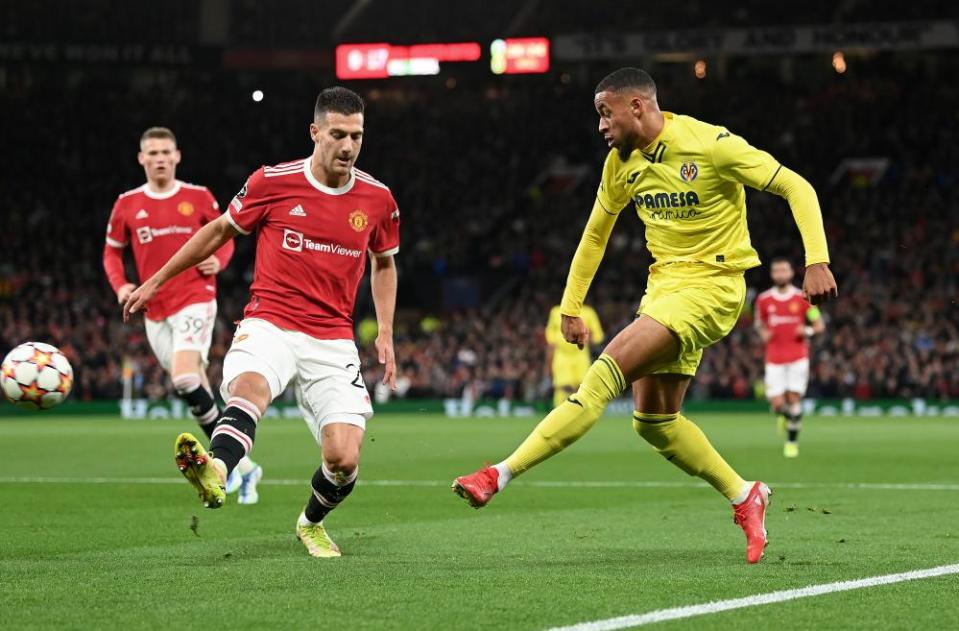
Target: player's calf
[235, 432]
[189, 387]
[331, 484]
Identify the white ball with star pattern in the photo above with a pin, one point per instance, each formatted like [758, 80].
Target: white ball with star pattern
[36, 376]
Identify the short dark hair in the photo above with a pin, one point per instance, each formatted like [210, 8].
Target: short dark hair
[626, 78]
[340, 100]
[781, 259]
[157, 132]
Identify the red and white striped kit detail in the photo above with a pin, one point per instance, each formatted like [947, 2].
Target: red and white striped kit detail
[246, 406]
[235, 434]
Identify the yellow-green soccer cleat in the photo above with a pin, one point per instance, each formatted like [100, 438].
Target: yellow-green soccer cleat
[197, 467]
[791, 450]
[317, 542]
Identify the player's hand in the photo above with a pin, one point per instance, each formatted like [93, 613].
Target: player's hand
[818, 285]
[384, 349]
[138, 298]
[209, 267]
[124, 292]
[765, 334]
[575, 331]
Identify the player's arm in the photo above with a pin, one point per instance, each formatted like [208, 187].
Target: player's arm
[116, 243]
[202, 245]
[218, 261]
[737, 160]
[760, 323]
[384, 244]
[589, 254]
[383, 282]
[610, 200]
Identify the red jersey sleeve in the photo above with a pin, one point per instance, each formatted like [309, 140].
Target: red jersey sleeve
[760, 311]
[117, 231]
[249, 207]
[113, 249]
[211, 212]
[385, 239]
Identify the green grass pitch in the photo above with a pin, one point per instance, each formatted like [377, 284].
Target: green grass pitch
[95, 529]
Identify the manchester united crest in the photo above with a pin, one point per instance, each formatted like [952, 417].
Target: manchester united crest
[185, 208]
[359, 220]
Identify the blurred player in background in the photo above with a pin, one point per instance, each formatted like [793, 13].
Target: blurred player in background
[686, 180]
[785, 321]
[315, 221]
[568, 363]
[156, 219]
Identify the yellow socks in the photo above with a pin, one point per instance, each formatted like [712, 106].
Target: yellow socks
[572, 418]
[681, 442]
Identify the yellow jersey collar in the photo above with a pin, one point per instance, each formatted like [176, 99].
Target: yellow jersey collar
[654, 150]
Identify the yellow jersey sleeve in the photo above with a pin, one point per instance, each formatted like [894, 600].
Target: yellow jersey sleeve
[589, 254]
[611, 198]
[738, 161]
[804, 205]
[612, 194]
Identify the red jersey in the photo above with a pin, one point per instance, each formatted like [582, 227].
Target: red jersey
[784, 314]
[157, 225]
[311, 245]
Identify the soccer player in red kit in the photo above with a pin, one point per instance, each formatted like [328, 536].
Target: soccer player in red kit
[785, 321]
[155, 220]
[315, 220]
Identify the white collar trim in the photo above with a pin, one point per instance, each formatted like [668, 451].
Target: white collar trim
[783, 296]
[167, 195]
[308, 172]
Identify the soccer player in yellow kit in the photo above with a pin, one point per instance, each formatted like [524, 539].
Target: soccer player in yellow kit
[569, 362]
[686, 179]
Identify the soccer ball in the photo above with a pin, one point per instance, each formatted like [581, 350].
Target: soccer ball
[36, 376]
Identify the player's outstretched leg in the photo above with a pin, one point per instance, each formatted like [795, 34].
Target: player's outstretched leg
[230, 442]
[682, 443]
[331, 484]
[191, 389]
[563, 426]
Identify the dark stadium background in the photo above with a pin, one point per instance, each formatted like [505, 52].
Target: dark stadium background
[494, 174]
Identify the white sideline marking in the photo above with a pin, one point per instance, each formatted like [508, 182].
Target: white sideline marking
[677, 613]
[547, 484]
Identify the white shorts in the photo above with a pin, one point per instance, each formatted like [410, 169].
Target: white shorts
[189, 329]
[325, 374]
[791, 377]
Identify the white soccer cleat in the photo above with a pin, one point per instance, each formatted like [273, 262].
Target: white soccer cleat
[234, 481]
[248, 493]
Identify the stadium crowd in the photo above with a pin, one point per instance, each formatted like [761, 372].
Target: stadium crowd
[494, 178]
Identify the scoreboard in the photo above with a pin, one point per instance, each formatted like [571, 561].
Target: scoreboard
[382, 60]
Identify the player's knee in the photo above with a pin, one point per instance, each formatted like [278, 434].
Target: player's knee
[253, 387]
[342, 464]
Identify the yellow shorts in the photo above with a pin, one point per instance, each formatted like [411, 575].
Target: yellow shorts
[699, 304]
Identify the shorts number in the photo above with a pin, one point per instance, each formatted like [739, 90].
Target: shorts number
[192, 326]
[358, 379]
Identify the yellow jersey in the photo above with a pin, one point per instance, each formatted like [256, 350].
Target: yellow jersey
[687, 186]
[563, 350]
